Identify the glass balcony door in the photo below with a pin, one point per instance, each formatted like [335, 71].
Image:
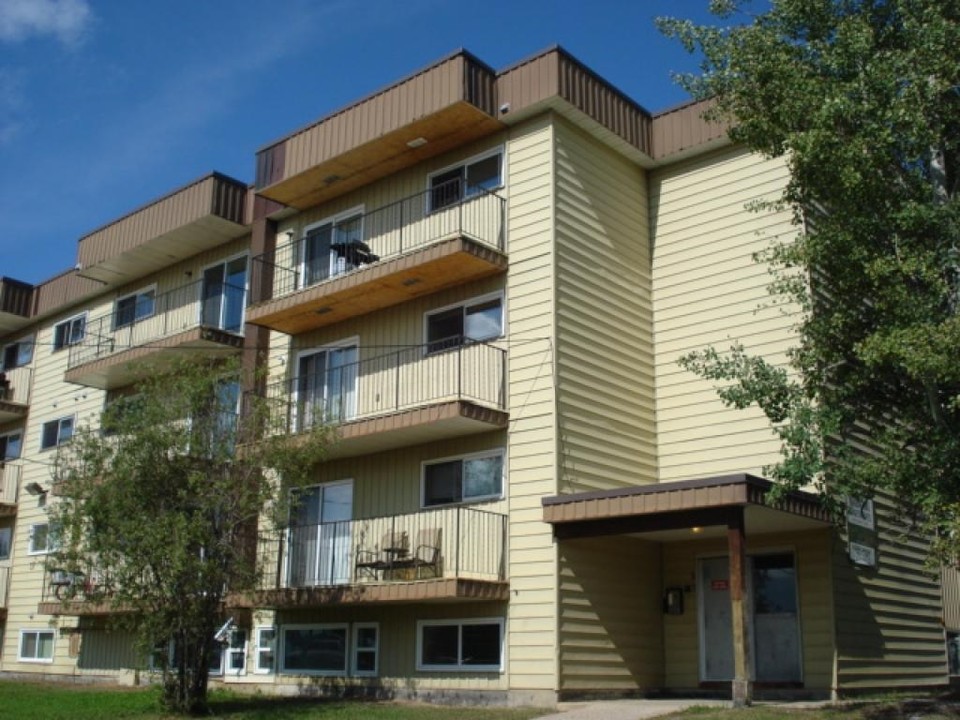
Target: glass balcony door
[326, 386]
[329, 249]
[319, 538]
[223, 295]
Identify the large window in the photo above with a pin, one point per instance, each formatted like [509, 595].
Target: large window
[11, 445]
[266, 649]
[473, 321]
[483, 173]
[466, 479]
[314, 649]
[69, 332]
[332, 247]
[17, 354]
[448, 645]
[134, 307]
[56, 432]
[36, 646]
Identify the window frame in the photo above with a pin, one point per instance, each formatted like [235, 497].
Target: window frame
[229, 650]
[463, 305]
[59, 421]
[494, 452]
[463, 165]
[201, 285]
[282, 668]
[7, 531]
[67, 342]
[6, 458]
[259, 647]
[28, 341]
[38, 632]
[460, 623]
[300, 354]
[355, 649]
[136, 303]
[31, 537]
[334, 221]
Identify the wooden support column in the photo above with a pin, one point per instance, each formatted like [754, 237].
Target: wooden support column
[742, 687]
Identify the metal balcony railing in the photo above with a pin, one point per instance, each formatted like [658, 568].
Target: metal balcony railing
[198, 304]
[15, 385]
[9, 482]
[407, 378]
[351, 243]
[449, 542]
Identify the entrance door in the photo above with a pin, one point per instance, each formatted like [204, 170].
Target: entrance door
[319, 537]
[326, 386]
[775, 629]
[224, 291]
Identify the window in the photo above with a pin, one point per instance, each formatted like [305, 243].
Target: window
[460, 644]
[265, 649]
[132, 308]
[36, 646]
[332, 247]
[6, 535]
[56, 432]
[474, 321]
[10, 446]
[69, 332]
[223, 295]
[40, 539]
[236, 652]
[466, 479]
[314, 649]
[17, 354]
[366, 649]
[475, 176]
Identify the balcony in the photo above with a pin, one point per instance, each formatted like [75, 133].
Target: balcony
[15, 387]
[202, 317]
[404, 397]
[446, 554]
[373, 260]
[16, 304]
[9, 483]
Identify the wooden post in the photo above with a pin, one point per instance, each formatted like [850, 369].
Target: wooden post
[742, 687]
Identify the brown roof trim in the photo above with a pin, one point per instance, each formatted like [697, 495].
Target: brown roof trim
[714, 481]
[166, 196]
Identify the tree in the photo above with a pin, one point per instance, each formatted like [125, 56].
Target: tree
[862, 100]
[157, 513]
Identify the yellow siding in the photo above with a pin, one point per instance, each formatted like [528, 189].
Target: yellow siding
[604, 318]
[950, 579]
[610, 617]
[889, 631]
[707, 291]
[681, 635]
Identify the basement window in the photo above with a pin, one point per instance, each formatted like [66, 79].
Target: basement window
[456, 645]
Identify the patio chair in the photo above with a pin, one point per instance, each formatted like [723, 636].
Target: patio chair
[427, 555]
[380, 559]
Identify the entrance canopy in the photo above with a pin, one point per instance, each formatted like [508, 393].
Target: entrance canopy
[663, 507]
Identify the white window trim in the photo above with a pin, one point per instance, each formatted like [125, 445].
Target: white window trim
[498, 150]
[11, 434]
[30, 548]
[228, 650]
[138, 293]
[301, 260]
[258, 648]
[58, 420]
[336, 345]
[25, 340]
[477, 300]
[246, 289]
[281, 658]
[355, 648]
[501, 451]
[37, 631]
[459, 667]
[64, 322]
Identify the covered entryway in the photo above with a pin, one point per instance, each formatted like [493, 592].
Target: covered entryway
[725, 562]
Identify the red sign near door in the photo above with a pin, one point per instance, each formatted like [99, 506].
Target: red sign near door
[719, 585]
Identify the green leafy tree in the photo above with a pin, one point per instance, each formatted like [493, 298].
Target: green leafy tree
[158, 512]
[862, 100]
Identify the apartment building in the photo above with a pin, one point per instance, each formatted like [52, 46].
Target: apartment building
[484, 278]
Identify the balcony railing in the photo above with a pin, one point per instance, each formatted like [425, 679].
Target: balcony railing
[9, 482]
[453, 542]
[441, 213]
[407, 378]
[198, 304]
[15, 385]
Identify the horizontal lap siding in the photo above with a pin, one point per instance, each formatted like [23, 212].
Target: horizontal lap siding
[706, 291]
[604, 323]
[889, 631]
[610, 617]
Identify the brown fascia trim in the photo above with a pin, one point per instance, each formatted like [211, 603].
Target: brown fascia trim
[380, 91]
[761, 484]
[166, 196]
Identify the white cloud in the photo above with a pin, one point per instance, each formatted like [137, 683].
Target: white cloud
[64, 19]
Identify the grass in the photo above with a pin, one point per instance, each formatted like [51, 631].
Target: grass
[38, 701]
[884, 710]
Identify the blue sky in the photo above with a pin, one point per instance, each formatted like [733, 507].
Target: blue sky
[107, 104]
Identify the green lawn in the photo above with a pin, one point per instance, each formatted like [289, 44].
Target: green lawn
[910, 710]
[36, 701]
